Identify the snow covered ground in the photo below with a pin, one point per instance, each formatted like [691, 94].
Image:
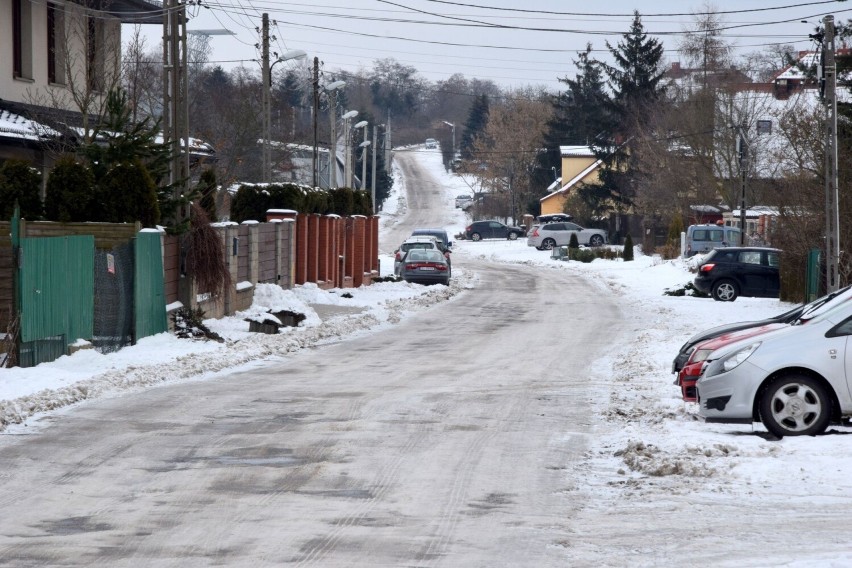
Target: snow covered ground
[654, 443]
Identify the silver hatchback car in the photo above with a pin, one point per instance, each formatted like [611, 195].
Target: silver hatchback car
[549, 235]
[796, 380]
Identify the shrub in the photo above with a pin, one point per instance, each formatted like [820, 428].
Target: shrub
[573, 243]
[207, 189]
[582, 255]
[127, 194]
[22, 183]
[205, 255]
[628, 248]
[70, 187]
[189, 324]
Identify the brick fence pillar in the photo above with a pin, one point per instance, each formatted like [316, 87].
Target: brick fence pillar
[359, 249]
[301, 249]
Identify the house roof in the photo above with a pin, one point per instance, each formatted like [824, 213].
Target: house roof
[577, 151]
[132, 11]
[21, 128]
[574, 181]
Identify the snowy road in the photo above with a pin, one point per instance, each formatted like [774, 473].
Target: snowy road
[443, 441]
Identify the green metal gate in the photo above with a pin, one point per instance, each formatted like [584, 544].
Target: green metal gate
[149, 286]
[56, 294]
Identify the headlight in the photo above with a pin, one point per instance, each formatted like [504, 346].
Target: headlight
[732, 360]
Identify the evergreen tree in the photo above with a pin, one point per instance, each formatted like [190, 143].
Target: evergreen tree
[134, 147]
[476, 120]
[20, 182]
[70, 187]
[207, 188]
[628, 248]
[581, 116]
[636, 91]
[126, 194]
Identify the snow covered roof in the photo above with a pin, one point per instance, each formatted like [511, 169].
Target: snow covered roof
[575, 180]
[578, 151]
[16, 126]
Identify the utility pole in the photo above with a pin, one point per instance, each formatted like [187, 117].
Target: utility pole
[743, 144]
[175, 100]
[388, 144]
[332, 153]
[315, 111]
[373, 178]
[264, 49]
[832, 198]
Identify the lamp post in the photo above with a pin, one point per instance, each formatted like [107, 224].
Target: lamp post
[363, 124]
[331, 89]
[373, 171]
[453, 126]
[347, 116]
[267, 107]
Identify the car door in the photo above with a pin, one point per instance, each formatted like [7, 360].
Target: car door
[576, 229]
[839, 338]
[556, 231]
[752, 272]
[496, 230]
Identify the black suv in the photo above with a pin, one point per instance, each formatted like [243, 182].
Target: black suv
[479, 230]
[740, 271]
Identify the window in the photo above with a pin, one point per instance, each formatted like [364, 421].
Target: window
[773, 258]
[55, 44]
[22, 39]
[751, 257]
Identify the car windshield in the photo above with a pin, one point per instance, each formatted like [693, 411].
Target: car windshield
[826, 302]
[831, 306]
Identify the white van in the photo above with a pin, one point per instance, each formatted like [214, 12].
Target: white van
[704, 238]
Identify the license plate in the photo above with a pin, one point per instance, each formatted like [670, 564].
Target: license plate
[427, 268]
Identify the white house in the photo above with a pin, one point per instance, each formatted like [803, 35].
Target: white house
[58, 60]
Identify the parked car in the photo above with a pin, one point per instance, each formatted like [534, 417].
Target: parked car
[545, 237]
[691, 370]
[421, 242]
[479, 230]
[464, 201]
[704, 238]
[727, 273]
[795, 380]
[424, 266]
[790, 316]
[440, 234]
[431, 143]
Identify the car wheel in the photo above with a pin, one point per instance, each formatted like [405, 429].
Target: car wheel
[795, 405]
[513, 236]
[596, 240]
[725, 291]
[475, 237]
[548, 244]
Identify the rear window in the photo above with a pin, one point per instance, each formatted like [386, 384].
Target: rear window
[712, 235]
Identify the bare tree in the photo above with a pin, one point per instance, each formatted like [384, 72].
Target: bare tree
[508, 149]
[703, 44]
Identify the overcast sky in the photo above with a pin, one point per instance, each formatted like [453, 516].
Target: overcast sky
[443, 37]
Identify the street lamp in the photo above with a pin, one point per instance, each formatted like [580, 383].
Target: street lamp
[356, 126]
[453, 126]
[347, 116]
[267, 108]
[331, 89]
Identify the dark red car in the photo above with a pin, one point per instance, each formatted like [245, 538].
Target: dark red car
[691, 371]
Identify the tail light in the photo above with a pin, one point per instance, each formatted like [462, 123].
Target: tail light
[535, 232]
[398, 256]
[416, 265]
[707, 267]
